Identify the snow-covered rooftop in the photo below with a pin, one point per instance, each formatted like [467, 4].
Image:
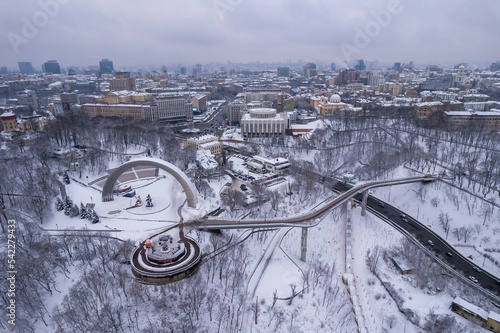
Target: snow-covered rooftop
[471, 307]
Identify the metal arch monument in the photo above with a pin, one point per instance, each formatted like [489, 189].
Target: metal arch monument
[187, 185]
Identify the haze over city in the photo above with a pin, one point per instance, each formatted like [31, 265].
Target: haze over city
[81, 33]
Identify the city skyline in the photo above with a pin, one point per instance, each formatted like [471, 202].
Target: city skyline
[241, 31]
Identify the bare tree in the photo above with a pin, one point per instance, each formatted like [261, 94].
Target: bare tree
[467, 232]
[372, 257]
[445, 221]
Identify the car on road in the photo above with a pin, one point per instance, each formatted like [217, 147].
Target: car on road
[404, 219]
[381, 204]
[228, 184]
[449, 254]
[402, 216]
[473, 279]
[430, 242]
[477, 269]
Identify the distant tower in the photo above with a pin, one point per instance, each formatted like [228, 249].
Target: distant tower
[106, 66]
[283, 71]
[51, 66]
[397, 67]
[25, 67]
[460, 77]
[360, 66]
[198, 69]
[333, 66]
[310, 70]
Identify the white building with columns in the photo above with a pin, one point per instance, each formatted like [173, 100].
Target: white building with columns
[264, 122]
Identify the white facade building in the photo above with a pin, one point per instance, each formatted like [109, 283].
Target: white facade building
[264, 121]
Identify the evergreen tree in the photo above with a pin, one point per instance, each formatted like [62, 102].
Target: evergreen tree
[95, 217]
[74, 211]
[59, 204]
[68, 204]
[90, 214]
[66, 178]
[149, 201]
[83, 211]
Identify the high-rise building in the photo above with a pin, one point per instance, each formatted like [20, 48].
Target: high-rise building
[106, 66]
[332, 66]
[25, 67]
[495, 66]
[284, 71]
[376, 78]
[183, 70]
[51, 66]
[397, 67]
[198, 68]
[3, 70]
[360, 65]
[235, 110]
[122, 81]
[310, 70]
[347, 76]
[173, 108]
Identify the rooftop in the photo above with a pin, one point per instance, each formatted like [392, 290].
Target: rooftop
[471, 307]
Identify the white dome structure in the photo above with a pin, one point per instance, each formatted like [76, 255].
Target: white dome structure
[335, 98]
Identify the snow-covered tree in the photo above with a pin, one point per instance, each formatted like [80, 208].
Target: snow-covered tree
[90, 214]
[74, 211]
[66, 179]
[83, 211]
[59, 204]
[149, 201]
[95, 217]
[68, 203]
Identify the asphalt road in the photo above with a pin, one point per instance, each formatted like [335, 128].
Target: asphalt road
[440, 247]
[211, 126]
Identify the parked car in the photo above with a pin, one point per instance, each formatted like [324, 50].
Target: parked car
[477, 269]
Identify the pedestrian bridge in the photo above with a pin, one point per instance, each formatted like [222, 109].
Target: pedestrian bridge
[310, 219]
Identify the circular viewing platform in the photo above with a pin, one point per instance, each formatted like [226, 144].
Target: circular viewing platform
[163, 260]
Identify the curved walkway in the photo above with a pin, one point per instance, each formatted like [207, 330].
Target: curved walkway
[308, 220]
[161, 273]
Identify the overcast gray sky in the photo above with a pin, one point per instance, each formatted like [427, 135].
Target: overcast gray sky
[156, 32]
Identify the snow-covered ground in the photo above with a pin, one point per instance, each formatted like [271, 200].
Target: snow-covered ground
[427, 202]
[134, 223]
[369, 232]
